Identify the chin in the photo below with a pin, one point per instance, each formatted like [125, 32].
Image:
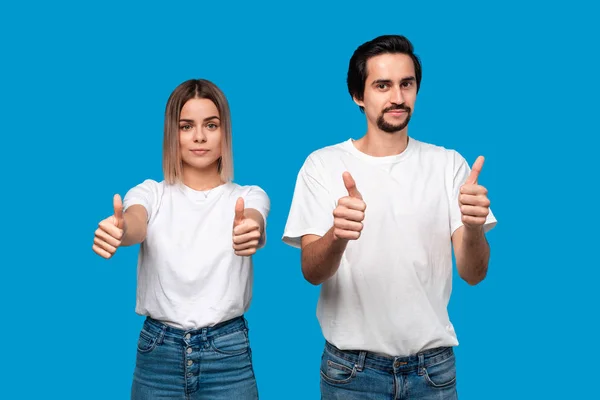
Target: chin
[200, 164]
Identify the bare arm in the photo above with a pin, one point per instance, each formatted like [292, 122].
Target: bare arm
[472, 253]
[321, 256]
[120, 229]
[135, 226]
[471, 249]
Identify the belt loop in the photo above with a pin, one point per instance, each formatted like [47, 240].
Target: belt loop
[161, 334]
[204, 330]
[421, 367]
[360, 364]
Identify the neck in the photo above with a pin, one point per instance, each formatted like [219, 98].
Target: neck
[204, 179]
[377, 143]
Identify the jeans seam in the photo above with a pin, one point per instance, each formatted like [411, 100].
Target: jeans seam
[439, 360]
[438, 386]
[239, 353]
[339, 381]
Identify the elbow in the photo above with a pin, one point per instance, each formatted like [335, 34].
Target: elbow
[310, 277]
[473, 279]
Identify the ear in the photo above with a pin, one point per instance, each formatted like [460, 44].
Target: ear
[358, 102]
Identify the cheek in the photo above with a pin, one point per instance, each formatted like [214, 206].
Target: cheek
[216, 138]
[410, 99]
[185, 138]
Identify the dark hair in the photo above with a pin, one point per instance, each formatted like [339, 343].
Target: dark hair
[357, 70]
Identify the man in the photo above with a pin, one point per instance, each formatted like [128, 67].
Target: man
[377, 219]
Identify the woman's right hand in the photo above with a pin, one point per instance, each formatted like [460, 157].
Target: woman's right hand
[110, 232]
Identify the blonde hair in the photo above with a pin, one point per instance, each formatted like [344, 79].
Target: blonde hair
[195, 89]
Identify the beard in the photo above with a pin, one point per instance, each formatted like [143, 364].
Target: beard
[393, 128]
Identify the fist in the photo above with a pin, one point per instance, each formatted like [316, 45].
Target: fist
[473, 201]
[349, 214]
[246, 232]
[109, 234]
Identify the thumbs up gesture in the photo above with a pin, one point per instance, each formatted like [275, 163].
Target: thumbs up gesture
[109, 234]
[246, 232]
[473, 201]
[350, 212]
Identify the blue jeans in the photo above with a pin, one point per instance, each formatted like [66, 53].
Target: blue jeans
[351, 375]
[207, 363]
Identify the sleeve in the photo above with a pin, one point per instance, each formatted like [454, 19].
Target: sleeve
[146, 194]
[311, 211]
[258, 199]
[461, 171]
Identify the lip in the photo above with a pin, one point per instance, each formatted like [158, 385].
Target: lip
[199, 152]
[396, 112]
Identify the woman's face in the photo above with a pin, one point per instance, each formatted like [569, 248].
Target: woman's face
[200, 134]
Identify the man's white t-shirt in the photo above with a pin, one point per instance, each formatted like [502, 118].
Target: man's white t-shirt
[391, 291]
[188, 274]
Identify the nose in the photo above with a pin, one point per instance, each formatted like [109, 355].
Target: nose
[397, 96]
[199, 135]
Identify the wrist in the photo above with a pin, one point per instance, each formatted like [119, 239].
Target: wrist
[473, 231]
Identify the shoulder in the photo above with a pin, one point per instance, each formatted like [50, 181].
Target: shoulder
[235, 189]
[321, 158]
[436, 153]
[148, 186]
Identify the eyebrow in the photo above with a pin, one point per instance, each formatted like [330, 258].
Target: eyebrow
[389, 81]
[205, 119]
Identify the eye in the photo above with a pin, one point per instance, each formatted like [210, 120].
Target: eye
[382, 86]
[407, 84]
[212, 126]
[185, 127]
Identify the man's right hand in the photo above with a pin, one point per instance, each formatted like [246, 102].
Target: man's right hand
[109, 234]
[349, 213]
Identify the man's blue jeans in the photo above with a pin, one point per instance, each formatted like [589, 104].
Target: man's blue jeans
[351, 375]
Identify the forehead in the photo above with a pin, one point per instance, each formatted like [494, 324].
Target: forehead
[390, 66]
[199, 108]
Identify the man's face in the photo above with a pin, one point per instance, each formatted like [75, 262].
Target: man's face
[390, 91]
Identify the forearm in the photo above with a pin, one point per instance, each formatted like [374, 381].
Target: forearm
[473, 255]
[321, 258]
[135, 227]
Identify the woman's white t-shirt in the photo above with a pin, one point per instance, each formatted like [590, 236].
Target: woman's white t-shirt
[188, 274]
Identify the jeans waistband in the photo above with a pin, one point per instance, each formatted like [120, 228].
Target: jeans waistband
[167, 332]
[387, 363]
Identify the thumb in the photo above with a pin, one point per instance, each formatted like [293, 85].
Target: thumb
[239, 211]
[475, 171]
[351, 185]
[118, 207]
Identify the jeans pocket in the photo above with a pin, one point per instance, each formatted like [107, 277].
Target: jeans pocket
[336, 370]
[441, 375]
[232, 343]
[147, 341]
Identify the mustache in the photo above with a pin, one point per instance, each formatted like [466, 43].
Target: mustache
[397, 107]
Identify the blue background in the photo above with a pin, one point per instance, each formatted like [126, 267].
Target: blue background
[83, 90]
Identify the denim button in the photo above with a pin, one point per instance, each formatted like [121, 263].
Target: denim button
[188, 336]
[189, 350]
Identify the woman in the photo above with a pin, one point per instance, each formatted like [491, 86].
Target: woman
[198, 231]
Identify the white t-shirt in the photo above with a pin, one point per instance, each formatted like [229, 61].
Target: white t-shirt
[188, 274]
[391, 291]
